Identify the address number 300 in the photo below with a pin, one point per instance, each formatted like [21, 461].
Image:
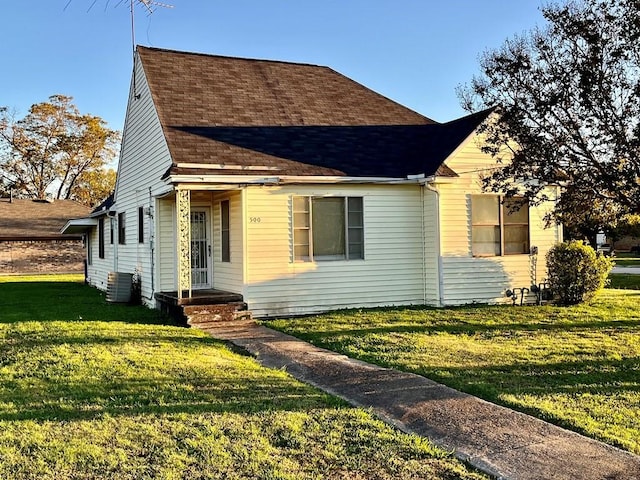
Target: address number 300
[255, 219]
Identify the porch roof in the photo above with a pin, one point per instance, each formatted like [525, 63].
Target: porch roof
[78, 226]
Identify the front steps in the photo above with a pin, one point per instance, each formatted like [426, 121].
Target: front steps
[209, 316]
[206, 308]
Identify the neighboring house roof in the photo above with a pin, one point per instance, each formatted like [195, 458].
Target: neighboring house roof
[22, 219]
[230, 116]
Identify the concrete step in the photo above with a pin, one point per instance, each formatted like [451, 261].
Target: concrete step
[213, 308]
[212, 314]
[226, 325]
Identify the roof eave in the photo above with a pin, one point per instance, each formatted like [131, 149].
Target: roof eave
[78, 226]
[242, 180]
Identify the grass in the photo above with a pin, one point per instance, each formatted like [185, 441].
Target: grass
[624, 281]
[578, 367]
[92, 390]
[627, 260]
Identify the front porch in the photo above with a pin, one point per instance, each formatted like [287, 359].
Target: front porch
[203, 308]
[209, 296]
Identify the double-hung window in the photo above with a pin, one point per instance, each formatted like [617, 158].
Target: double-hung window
[101, 237]
[225, 242]
[499, 226]
[328, 228]
[140, 225]
[122, 232]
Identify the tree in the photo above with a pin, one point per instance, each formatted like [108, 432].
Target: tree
[50, 150]
[93, 186]
[627, 226]
[568, 98]
[584, 218]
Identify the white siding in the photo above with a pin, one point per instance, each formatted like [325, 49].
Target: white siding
[466, 279]
[99, 267]
[144, 158]
[431, 248]
[228, 275]
[166, 245]
[392, 272]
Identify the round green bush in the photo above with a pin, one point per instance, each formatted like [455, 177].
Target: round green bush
[576, 272]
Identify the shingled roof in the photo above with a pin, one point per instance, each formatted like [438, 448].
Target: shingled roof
[22, 219]
[223, 115]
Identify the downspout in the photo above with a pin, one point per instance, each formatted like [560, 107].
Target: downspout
[152, 237]
[440, 282]
[113, 224]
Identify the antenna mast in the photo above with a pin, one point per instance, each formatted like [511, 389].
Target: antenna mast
[150, 7]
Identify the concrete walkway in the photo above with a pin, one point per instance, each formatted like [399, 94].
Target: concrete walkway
[494, 439]
[627, 270]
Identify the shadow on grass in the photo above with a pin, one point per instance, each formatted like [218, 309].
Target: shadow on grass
[624, 281]
[486, 330]
[66, 354]
[67, 301]
[81, 374]
[604, 377]
[86, 400]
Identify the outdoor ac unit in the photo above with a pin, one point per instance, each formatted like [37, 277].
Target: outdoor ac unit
[119, 287]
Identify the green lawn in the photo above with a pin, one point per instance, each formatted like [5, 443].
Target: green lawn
[578, 367]
[624, 281]
[627, 260]
[91, 390]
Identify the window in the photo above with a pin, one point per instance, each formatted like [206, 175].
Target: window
[140, 225]
[499, 227]
[121, 229]
[89, 245]
[112, 227]
[224, 231]
[328, 228]
[101, 237]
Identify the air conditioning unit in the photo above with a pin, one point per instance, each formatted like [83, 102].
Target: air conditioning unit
[119, 287]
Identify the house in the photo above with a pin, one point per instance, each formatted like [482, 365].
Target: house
[294, 189]
[30, 239]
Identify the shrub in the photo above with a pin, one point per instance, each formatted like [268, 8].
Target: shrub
[576, 272]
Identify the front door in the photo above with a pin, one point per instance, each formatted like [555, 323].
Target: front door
[200, 249]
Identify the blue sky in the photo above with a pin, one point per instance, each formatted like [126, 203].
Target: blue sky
[413, 51]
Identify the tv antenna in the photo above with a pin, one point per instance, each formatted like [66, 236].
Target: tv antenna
[150, 6]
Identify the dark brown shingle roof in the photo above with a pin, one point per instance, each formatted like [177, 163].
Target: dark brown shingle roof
[29, 219]
[278, 118]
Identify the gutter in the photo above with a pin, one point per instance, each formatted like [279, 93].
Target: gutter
[243, 180]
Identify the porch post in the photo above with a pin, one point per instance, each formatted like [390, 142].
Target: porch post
[183, 222]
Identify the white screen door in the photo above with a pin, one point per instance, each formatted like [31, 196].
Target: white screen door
[200, 249]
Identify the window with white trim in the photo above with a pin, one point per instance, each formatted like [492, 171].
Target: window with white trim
[328, 228]
[101, 237]
[225, 239]
[499, 226]
[122, 232]
[89, 245]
